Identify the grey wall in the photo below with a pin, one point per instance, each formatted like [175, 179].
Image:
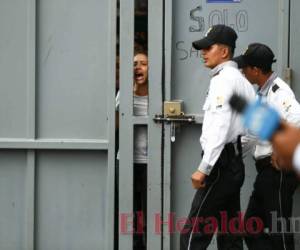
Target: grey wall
[72, 66]
[57, 84]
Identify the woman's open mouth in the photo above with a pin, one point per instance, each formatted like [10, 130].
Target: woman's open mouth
[139, 76]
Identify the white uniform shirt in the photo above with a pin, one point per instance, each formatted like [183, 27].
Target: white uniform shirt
[221, 125]
[140, 108]
[279, 96]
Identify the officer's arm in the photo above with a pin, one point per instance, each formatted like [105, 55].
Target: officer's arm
[217, 131]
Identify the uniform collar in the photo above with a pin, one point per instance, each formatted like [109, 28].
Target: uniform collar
[216, 70]
[264, 90]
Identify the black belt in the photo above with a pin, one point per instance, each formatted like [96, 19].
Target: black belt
[235, 148]
[263, 162]
[232, 149]
[266, 162]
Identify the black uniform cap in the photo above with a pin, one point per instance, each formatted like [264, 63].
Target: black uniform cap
[217, 34]
[257, 55]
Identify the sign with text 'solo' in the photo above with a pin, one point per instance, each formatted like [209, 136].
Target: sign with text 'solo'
[223, 1]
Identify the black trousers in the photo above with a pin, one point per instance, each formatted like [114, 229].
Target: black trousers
[216, 205]
[271, 202]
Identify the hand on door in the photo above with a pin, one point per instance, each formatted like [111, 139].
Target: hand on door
[198, 179]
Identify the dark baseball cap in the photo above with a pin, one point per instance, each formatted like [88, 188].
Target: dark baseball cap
[217, 34]
[257, 55]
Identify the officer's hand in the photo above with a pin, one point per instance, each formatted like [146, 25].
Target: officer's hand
[198, 179]
[284, 143]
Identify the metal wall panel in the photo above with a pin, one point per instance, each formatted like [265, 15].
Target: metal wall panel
[126, 121]
[71, 200]
[12, 199]
[14, 67]
[155, 133]
[57, 94]
[72, 42]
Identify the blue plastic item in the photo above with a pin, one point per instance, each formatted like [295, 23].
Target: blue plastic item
[261, 119]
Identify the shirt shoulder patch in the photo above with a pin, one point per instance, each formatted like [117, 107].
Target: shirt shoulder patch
[219, 101]
[286, 105]
[275, 88]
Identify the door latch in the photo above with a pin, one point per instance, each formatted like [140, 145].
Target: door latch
[173, 108]
[174, 115]
[173, 112]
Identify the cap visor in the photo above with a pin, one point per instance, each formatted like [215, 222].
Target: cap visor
[240, 61]
[202, 43]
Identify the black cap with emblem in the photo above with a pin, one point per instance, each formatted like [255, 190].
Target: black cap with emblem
[217, 34]
[257, 55]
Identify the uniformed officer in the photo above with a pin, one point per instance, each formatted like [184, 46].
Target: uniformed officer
[272, 197]
[220, 174]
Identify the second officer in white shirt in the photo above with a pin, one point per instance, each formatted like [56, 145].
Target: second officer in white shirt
[272, 197]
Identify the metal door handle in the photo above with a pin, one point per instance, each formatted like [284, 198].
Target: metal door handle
[177, 119]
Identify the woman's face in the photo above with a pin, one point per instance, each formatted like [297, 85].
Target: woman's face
[140, 69]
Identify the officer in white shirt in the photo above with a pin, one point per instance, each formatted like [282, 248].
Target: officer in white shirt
[272, 197]
[220, 174]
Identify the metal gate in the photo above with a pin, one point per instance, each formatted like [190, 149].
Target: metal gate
[128, 121]
[57, 124]
[176, 72]
[57, 71]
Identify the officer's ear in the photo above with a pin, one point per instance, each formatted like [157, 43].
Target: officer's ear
[226, 51]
